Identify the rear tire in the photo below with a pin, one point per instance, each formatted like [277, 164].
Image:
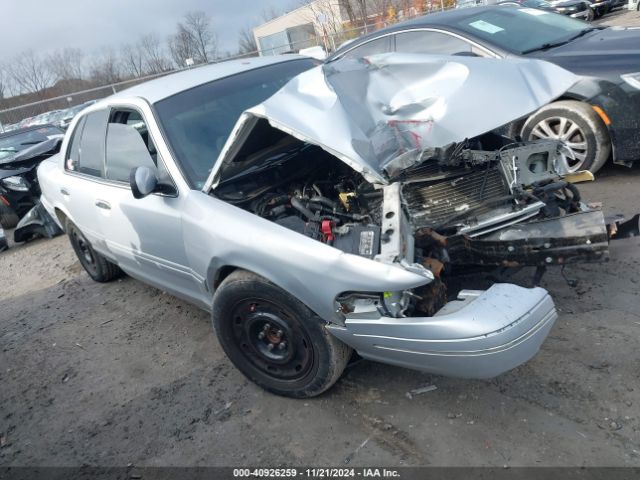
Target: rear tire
[579, 126]
[8, 217]
[99, 268]
[274, 339]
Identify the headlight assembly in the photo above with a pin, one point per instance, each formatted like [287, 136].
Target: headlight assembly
[17, 184]
[392, 304]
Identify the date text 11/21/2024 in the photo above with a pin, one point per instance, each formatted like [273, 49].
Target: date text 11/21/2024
[313, 473]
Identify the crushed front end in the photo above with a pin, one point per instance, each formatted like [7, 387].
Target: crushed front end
[384, 160]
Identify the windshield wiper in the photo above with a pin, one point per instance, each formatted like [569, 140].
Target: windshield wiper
[546, 46]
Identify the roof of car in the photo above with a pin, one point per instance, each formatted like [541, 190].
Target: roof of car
[163, 87]
[446, 18]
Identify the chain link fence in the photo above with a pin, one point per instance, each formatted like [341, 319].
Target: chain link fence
[19, 116]
[10, 118]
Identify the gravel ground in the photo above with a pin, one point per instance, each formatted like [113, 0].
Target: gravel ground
[120, 373]
[620, 18]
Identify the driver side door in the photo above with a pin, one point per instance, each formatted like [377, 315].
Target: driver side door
[144, 235]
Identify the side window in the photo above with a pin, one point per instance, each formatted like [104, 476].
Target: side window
[380, 45]
[74, 148]
[86, 154]
[431, 42]
[129, 145]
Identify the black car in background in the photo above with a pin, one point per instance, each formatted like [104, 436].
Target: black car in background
[573, 8]
[598, 118]
[21, 151]
[69, 114]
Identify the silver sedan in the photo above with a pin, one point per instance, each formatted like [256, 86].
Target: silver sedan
[323, 220]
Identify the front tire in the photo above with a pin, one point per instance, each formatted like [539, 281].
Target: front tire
[578, 126]
[99, 268]
[274, 339]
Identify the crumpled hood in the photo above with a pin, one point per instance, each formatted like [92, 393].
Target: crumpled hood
[378, 114]
[43, 149]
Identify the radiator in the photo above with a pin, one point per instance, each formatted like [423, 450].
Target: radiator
[433, 202]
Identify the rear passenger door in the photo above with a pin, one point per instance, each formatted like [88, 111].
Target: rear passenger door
[84, 168]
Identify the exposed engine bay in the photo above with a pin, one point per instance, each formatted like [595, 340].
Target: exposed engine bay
[303, 188]
[384, 160]
[487, 201]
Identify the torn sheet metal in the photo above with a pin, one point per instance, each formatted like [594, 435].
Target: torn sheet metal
[389, 108]
[574, 238]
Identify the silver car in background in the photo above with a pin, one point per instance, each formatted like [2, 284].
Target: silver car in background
[327, 218]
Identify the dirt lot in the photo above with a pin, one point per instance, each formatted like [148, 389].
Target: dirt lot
[120, 373]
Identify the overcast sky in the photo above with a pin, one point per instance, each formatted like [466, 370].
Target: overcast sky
[46, 25]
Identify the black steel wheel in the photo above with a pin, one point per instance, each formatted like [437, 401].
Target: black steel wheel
[275, 340]
[99, 268]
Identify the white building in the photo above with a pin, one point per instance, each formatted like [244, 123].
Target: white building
[303, 27]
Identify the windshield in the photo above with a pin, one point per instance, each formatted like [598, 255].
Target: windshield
[12, 144]
[198, 121]
[520, 30]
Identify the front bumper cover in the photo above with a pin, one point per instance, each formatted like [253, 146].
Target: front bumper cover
[481, 335]
[37, 222]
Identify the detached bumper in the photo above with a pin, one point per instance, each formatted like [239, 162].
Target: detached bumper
[36, 223]
[481, 335]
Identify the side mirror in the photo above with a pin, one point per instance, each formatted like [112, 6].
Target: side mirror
[143, 181]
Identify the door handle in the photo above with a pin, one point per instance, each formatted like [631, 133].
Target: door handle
[64, 191]
[102, 204]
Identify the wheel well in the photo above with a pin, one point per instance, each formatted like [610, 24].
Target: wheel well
[221, 274]
[515, 128]
[62, 218]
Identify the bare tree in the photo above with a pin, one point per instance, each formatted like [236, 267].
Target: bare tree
[380, 7]
[154, 56]
[246, 41]
[180, 46]
[195, 39]
[205, 42]
[29, 72]
[4, 82]
[106, 67]
[132, 58]
[325, 15]
[67, 64]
